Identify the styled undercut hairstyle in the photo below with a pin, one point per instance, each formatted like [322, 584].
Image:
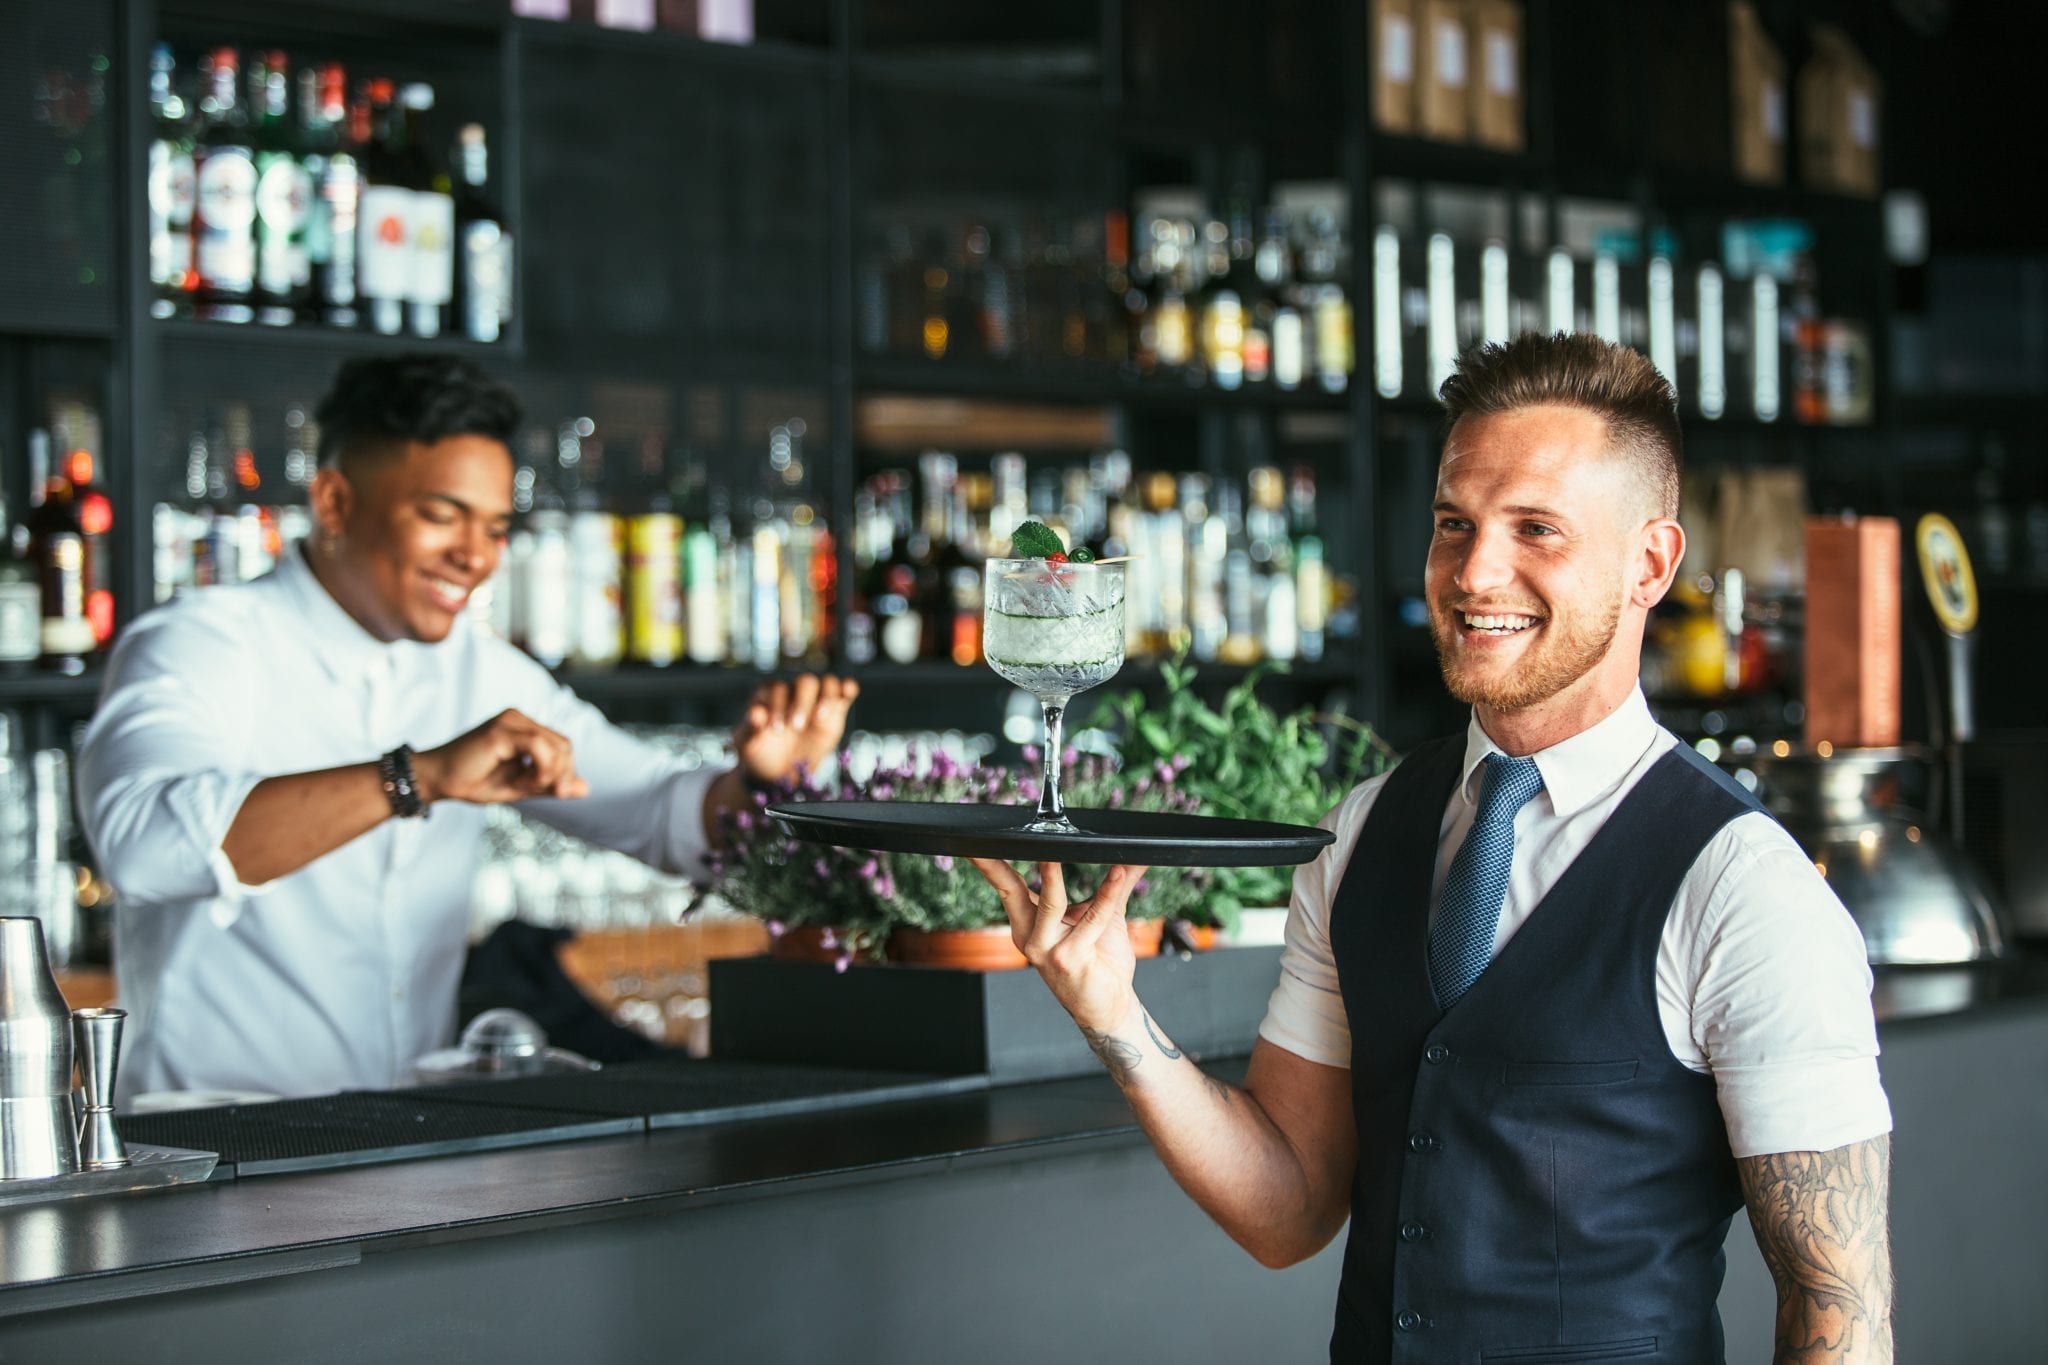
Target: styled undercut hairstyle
[1580, 370]
[378, 404]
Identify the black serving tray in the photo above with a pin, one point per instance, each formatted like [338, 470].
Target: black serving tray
[1152, 838]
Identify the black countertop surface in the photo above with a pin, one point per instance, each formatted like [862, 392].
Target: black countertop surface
[77, 1251]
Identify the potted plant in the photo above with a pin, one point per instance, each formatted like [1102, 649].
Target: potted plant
[844, 904]
[1243, 760]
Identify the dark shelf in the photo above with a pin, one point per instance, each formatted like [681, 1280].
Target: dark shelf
[33, 688]
[1330, 668]
[671, 45]
[1453, 163]
[875, 374]
[1970, 409]
[368, 18]
[332, 340]
[639, 682]
[952, 81]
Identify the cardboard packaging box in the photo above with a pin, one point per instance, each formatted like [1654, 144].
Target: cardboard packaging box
[1497, 85]
[1445, 78]
[1393, 65]
[1756, 73]
[1852, 631]
[1839, 126]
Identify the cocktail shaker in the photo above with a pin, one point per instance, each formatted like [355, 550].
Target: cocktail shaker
[37, 1138]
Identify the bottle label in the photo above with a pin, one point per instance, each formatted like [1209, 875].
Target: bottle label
[486, 280]
[340, 185]
[171, 191]
[21, 621]
[227, 216]
[433, 250]
[384, 238]
[284, 200]
[654, 578]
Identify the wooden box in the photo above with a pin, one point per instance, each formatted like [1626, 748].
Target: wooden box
[1852, 631]
[1445, 77]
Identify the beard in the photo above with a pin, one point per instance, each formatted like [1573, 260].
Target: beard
[1570, 647]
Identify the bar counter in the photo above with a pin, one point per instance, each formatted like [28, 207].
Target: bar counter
[1012, 1223]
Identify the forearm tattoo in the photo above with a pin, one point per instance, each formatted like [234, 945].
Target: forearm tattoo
[1822, 1223]
[1120, 1057]
[1159, 1040]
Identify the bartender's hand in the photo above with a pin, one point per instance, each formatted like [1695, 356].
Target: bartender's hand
[792, 724]
[1083, 951]
[510, 757]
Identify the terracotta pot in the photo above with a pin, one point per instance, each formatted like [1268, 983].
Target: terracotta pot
[974, 950]
[1145, 936]
[1201, 937]
[808, 943]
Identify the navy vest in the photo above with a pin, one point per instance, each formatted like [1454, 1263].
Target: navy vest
[1539, 1179]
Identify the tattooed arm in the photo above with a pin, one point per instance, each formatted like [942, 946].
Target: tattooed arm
[1822, 1223]
[1271, 1162]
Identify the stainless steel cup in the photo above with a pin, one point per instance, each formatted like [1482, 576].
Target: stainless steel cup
[96, 1039]
[37, 1136]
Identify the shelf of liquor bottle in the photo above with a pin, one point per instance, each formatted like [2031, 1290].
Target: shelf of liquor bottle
[679, 45]
[41, 687]
[1134, 673]
[336, 340]
[970, 379]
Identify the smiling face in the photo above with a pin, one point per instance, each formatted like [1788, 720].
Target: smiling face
[1546, 558]
[413, 533]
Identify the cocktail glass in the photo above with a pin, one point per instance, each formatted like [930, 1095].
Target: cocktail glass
[1053, 630]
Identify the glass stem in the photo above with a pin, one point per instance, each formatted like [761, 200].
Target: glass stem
[1050, 807]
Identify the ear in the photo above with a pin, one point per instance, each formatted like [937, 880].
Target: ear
[332, 498]
[1661, 547]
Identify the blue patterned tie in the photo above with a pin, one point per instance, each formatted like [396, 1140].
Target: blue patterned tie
[1461, 943]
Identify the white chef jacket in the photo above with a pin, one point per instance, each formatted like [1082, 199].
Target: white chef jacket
[1762, 977]
[339, 975]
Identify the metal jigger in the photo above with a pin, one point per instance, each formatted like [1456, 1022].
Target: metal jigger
[96, 1043]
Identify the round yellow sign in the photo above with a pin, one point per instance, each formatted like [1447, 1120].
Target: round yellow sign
[1945, 573]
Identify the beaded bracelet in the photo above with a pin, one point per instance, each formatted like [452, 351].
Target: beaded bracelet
[399, 787]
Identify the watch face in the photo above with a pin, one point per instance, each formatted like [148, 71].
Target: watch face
[1945, 573]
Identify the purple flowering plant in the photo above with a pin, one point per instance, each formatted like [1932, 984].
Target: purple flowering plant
[861, 896]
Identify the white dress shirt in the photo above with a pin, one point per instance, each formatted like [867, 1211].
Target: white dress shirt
[1762, 977]
[338, 975]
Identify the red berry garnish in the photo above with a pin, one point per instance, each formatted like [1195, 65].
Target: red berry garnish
[1055, 558]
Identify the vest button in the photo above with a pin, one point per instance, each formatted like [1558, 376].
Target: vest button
[1413, 1232]
[1411, 1321]
[1421, 1142]
[1437, 1054]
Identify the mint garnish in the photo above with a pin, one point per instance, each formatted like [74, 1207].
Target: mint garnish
[1034, 540]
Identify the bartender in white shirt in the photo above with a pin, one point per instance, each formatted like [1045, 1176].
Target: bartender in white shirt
[287, 919]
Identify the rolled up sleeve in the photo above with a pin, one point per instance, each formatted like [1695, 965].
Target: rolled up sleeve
[642, 802]
[159, 781]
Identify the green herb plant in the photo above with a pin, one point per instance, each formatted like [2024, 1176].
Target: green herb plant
[1246, 761]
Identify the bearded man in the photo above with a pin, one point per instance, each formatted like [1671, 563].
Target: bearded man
[1561, 997]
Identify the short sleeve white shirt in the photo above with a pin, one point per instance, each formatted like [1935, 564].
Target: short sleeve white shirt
[1762, 977]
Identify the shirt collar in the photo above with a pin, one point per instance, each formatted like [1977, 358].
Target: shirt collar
[1576, 771]
[338, 640]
